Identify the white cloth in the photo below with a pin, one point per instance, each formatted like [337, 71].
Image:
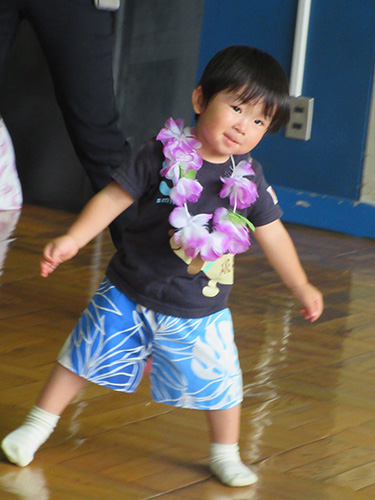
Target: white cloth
[10, 187]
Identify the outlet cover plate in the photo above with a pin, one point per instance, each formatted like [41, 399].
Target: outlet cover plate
[301, 114]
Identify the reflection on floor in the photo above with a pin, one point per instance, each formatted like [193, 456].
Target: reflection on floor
[8, 223]
[308, 421]
[26, 484]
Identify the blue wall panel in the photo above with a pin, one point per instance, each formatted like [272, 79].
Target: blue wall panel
[254, 22]
[339, 72]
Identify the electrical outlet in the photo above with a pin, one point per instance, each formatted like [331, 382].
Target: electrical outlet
[301, 113]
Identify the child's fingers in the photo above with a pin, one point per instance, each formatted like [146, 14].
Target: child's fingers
[312, 316]
[50, 260]
[48, 252]
[313, 313]
[312, 300]
[56, 252]
[45, 269]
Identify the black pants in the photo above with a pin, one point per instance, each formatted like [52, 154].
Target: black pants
[77, 40]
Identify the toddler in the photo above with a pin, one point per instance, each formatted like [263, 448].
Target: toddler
[200, 195]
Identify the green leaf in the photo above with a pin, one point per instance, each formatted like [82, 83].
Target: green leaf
[190, 174]
[240, 219]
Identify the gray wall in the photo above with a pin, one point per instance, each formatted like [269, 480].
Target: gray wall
[156, 60]
[155, 68]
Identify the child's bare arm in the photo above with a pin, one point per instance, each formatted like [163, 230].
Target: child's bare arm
[282, 255]
[99, 212]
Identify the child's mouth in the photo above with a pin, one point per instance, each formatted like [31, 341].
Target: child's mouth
[230, 141]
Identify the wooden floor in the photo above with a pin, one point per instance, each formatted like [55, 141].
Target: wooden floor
[308, 421]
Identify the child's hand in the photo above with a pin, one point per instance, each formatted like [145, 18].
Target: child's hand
[56, 252]
[311, 298]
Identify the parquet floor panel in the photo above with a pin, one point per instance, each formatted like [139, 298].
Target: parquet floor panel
[308, 418]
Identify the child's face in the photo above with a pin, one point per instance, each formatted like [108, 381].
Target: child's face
[226, 127]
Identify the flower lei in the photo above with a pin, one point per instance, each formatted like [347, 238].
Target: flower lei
[230, 230]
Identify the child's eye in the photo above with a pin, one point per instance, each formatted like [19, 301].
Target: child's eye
[236, 109]
[259, 122]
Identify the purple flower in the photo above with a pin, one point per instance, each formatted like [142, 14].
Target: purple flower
[192, 232]
[172, 130]
[215, 247]
[182, 154]
[191, 139]
[185, 190]
[237, 232]
[240, 242]
[243, 168]
[241, 192]
[171, 171]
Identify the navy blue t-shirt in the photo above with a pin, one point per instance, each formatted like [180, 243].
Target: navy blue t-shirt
[148, 268]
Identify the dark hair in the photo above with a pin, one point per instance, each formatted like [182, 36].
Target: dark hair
[255, 74]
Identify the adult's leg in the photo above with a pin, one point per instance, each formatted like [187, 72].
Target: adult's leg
[77, 40]
[61, 387]
[10, 17]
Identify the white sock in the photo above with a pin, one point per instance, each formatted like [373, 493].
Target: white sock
[20, 445]
[226, 464]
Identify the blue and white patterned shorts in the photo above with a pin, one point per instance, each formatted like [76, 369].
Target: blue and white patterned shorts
[194, 361]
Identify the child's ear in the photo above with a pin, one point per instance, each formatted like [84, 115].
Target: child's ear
[197, 100]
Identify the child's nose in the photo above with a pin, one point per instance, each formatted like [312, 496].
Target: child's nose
[241, 125]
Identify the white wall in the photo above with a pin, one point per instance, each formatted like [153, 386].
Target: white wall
[368, 179]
